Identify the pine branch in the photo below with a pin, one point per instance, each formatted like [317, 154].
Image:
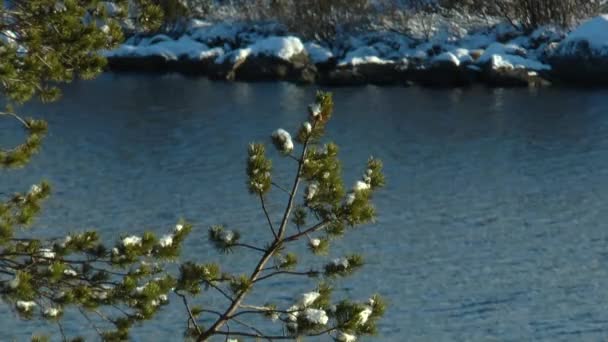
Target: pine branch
[270, 275]
[310, 230]
[268, 216]
[272, 337]
[267, 256]
[191, 319]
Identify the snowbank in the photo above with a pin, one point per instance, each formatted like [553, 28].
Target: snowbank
[236, 34]
[281, 47]
[446, 57]
[169, 49]
[187, 47]
[317, 53]
[593, 31]
[363, 55]
[455, 56]
[509, 56]
[209, 33]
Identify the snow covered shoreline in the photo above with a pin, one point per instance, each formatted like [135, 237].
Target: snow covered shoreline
[496, 56]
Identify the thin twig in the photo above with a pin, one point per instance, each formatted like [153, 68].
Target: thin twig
[23, 122]
[246, 325]
[63, 337]
[91, 322]
[240, 244]
[310, 230]
[198, 329]
[293, 157]
[280, 187]
[255, 307]
[271, 337]
[268, 216]
[220, 290]
[269, 275]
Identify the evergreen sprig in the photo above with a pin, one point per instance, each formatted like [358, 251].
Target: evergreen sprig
[316, 215]
[127, 282]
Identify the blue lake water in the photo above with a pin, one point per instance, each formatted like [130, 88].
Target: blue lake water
[492, 226]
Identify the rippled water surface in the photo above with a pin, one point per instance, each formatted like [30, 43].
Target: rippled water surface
[492, 227]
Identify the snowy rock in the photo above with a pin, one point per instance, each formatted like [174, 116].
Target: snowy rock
[455, 56]
[582, 58]
[233, 34]
[510, 76]
[444, 69]
[363, 55]
[272, 58]
[317, 53]
[592, 35]
[546, 35]
[463, 55]
[504, 32]
[359, 69]
[282, 47]
[215, 34]
[159, 52]
[507, 65]
[446, 58]
[501, 49]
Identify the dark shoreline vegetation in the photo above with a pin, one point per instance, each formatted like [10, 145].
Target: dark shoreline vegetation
[437, 44]
[570, 63]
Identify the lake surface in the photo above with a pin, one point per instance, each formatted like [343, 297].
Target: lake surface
[492, 226]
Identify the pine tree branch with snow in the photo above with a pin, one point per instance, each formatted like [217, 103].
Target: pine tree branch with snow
[315, 216]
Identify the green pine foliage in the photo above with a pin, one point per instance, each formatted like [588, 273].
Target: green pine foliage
[116, 285]
[320, 209]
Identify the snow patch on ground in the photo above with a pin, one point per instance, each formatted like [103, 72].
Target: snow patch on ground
[509, 56]
[169, 49]
[446, 57]
[455, 56]
[317, 53]
[363, 55]
[449, 42]
[207, 32]
[281, 47]
[593, 31]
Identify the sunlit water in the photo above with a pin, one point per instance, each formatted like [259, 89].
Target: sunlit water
[492, 226]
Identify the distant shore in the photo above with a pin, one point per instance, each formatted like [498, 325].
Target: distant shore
[498, 56]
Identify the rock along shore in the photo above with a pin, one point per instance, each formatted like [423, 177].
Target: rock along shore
[500, 56]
